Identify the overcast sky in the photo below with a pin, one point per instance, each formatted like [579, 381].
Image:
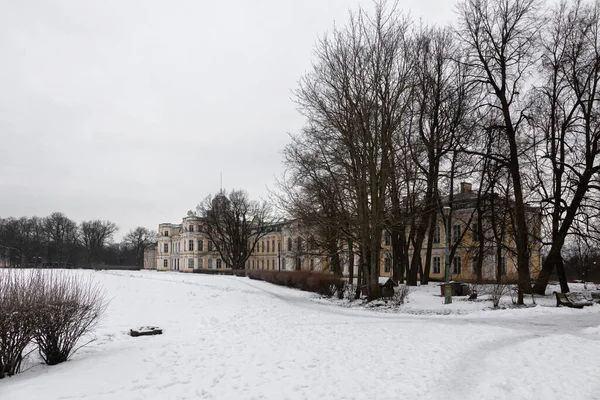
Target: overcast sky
[130, 110]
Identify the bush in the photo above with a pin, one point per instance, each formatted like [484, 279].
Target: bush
[401, 295]
[18, 316]
[53, 310]
[317, 282]
[70, 310]
[497, 291]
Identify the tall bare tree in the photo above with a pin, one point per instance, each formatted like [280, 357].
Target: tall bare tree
[353, 99]
[94, 235]
[234, 223]
[567, 126]
[500, 37]
[441, 104]
[138, 240]
[62, 236]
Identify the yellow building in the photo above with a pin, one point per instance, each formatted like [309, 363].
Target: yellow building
[499, 250]
[286, 246]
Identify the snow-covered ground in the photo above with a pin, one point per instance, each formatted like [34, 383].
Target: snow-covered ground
[235, 338]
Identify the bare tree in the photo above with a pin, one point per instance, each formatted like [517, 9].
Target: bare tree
[138, 240]
[234, 223]
[94, 235]
[441, 104]
[567, 127]
[500, 37]
[354, 99]
[62, 236]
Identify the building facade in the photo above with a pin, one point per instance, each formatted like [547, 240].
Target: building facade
[185, 247]
[286, 246]
[475, 231]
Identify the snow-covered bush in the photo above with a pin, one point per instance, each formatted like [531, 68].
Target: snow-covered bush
[18, 317]
[400, 294]
[70, 309]
[497, 291]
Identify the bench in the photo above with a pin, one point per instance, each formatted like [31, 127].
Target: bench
[562, 299]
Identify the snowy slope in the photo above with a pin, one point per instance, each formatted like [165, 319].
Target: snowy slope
[234, 338]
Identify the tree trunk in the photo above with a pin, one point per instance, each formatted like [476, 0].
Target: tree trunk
[429, 251]
[397, 270]
[350, 262]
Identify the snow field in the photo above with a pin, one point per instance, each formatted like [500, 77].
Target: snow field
[235, 338]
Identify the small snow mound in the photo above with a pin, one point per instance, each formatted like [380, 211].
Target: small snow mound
[592, 330]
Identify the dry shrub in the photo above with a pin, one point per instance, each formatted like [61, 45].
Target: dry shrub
[497, 291]
[317, 282]
[53, 310]
[18, 316]
[401, 294]
[70, 310]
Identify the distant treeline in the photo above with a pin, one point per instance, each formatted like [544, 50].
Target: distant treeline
[58, 241]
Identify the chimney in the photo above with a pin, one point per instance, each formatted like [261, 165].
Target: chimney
[466, 187]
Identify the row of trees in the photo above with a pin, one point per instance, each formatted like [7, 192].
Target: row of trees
[58, 240]
[397, 112]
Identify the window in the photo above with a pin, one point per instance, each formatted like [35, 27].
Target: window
[273, 264]
[201, 263]
[283, 264]
[504, 265]
[262, 246]
[437, 265]
[200, 228]
[166, 248]
[191, 228]
[267, 260]
[456, 231]
[290, 244]
[191, 263]
[278, 247]
[200, 245]
[475, 232]
[252, 264]
[219, 263]
[456, 265]
[191, 245]
[386, 239]
[298, 264]
[299, 243]
[210, 263]
[166, 233]
[268, 243]
[387, 264]
[262, 262]
[166, 263]
[210, 245]
[273, 245]
[437, 234]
